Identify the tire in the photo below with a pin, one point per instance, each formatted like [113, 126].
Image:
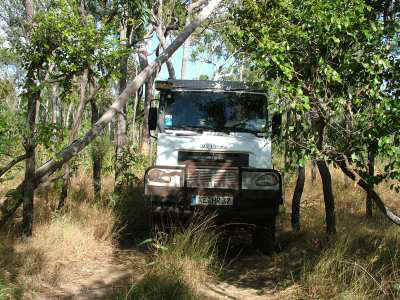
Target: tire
[264, 236]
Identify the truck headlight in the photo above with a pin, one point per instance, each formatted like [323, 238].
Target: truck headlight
[164, 177]
[260, 181]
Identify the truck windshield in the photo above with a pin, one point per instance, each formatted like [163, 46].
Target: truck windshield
[222, 111]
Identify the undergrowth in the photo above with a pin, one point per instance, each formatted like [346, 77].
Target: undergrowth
[362, 261]
[181, 261]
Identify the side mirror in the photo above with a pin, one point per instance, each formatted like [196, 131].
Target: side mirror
[276, 124]
[153, 116]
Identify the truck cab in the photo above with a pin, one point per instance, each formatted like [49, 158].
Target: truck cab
[214, 153]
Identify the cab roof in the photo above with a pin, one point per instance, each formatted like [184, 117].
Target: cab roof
[200, 85]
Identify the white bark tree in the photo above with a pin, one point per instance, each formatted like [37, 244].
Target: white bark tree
[78, 145]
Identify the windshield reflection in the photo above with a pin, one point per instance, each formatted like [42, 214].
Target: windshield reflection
[227, 111]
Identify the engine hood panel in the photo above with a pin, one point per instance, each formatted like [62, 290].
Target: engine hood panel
[257, 148]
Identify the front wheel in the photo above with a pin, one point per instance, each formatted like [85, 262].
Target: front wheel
[264, 236]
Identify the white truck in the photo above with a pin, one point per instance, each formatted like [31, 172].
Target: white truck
[214, 153]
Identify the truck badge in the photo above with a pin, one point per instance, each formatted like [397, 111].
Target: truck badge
[212, 146]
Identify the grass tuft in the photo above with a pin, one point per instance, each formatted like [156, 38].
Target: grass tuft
[182, 260]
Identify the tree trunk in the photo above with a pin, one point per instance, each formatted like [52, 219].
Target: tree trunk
[143, 60]
[30, 162]
[146, 147]
[96, 156]
[186, 45]
[298, 192]
[163, 43]
[121, 121]
[67, 118]
[328, 196]
[371, 172]
[185, 52]
[28, 188]
[318, 124]
[78, 145]
[66, 182]
[135, 131]
[285, 152]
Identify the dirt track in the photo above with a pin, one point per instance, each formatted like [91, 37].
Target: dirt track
[247, 274]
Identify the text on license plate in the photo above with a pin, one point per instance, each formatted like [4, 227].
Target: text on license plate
[212, 200]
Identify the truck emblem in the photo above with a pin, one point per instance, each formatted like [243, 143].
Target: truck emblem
[212, 146]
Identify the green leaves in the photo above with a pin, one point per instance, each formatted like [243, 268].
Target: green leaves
[329, 60]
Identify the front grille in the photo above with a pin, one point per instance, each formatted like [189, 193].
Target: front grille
[213, 158]
[212, 178]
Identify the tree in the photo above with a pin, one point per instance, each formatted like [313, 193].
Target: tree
[132, 18]
[78, 145]
[58, 48]
[327, 61]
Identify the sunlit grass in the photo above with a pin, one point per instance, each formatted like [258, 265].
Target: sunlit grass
[361, 262]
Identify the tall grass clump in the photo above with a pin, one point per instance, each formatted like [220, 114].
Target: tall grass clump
[63, 243]
[358, 265]
[61, 247]
[183, 259]
[362, 261]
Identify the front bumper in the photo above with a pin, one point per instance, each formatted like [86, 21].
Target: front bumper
[248, 205]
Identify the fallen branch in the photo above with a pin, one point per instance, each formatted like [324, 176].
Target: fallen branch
[12, 164]
[78, 145]
[370, 191]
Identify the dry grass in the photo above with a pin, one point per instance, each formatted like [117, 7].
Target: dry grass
[63, 244]
[361, 262]
[182, 260]
[59, 249]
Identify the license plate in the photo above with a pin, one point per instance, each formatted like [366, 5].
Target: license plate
[212, 200]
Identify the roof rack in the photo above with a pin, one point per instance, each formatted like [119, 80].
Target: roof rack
[207, 85]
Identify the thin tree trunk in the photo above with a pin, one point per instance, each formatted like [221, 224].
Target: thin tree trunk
[318, 124]
[146, 147]
[371, 171]
[68, 116]
[161, 37]
[77, 123]
[330, 217]
[298, 192]
[30, 162]
[46, 115]
[185, 52]
[121, 138]
[54, 110]
[285, 154]
[96, 156]
[37, 108]
[29, 143]
[145, 136]
[78, 145]
[186, 44]
[46, 77]
[134, 126]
